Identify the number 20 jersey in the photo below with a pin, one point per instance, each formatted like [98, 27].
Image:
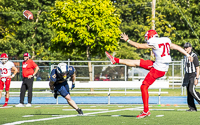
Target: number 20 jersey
[161, 52]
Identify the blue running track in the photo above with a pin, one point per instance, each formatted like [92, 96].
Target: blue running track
[102, 100]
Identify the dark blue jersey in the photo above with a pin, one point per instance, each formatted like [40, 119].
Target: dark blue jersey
[54, 77]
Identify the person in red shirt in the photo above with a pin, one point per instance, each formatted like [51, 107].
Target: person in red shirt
[29, 70]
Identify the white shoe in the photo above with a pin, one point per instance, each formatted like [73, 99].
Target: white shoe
[28, 105]
[19, 105]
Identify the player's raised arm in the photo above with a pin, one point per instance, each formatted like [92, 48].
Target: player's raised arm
[135, 44]
[180, 49]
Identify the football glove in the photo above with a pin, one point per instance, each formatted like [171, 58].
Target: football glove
[73, 85]
[56, 93]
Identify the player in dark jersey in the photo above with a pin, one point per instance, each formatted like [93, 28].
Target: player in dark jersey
[58, 83]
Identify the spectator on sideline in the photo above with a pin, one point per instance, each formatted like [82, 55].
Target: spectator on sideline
[5, 77]
[28, 74]
[191, 78]
[58, 83]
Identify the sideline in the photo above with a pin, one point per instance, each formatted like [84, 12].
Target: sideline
[65, 116]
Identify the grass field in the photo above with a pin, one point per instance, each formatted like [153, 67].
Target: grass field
[97, 115]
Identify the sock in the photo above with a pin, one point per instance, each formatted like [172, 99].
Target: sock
[145, 97]
[116, 60]
[6, 100]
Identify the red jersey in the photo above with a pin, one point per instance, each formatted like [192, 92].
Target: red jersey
[28, 67]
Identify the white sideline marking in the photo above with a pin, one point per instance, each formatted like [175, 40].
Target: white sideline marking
[6, 107]
[85, 109]
[182, 106]
[27, 115]
[81, 115]
[37, 106]
[181, 109]
[159, 115]
[162, 109]
[64, 116]
[137, 109]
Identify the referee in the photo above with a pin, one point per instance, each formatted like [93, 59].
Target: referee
[191, 78]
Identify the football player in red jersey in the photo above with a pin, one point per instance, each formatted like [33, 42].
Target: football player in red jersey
[5, 76]
[161, 49]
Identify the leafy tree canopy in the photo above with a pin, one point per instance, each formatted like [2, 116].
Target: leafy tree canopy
[85, 26]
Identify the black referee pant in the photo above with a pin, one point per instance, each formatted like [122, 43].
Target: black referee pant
[192, 94]
[27, 84]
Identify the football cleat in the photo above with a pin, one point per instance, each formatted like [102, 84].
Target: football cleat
[111, 58]
[191, 110]
[143, 114]
[79, 111]
[6, 104]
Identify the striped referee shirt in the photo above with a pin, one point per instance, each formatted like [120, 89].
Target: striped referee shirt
[190, 67]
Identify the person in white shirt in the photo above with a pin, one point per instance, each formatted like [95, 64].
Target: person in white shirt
[158, 68]
[5, 76]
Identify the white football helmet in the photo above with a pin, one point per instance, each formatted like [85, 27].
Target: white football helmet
[62, 68]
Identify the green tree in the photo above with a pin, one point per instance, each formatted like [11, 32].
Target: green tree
[19, 35]
[178, 20]
[89, 27]
[184, 16]
[136, 16]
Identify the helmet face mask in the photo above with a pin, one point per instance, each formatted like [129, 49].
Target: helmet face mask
[150, 34]
[4, 58]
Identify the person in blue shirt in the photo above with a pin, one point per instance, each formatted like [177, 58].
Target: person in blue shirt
[58, 83]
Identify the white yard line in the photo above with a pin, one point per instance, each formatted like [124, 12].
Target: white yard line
[7, 107]
[85, 109]
[162, 109]
[65, 116]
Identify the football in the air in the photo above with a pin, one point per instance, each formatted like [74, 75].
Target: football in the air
[28, 14]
